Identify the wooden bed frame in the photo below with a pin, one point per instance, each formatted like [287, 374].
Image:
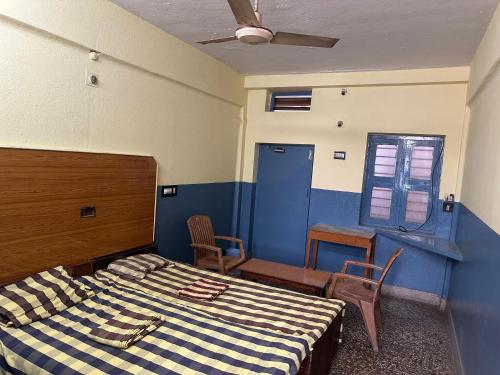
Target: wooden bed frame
[320, 359]
[85, 210]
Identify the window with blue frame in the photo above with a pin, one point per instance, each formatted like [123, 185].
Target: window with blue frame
[401, 182]
[290, 101]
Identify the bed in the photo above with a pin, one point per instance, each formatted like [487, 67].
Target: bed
[189, 342]
[85, 210]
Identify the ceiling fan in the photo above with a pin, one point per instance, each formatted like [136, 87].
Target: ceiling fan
[252, 31]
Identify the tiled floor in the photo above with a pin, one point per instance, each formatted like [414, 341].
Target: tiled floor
[415, 341]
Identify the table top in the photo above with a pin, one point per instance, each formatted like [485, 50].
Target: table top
[286, 272]
[329, 228]
[433, 244]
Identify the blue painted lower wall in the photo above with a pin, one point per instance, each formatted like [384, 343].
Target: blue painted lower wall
[474, 300]
[245, 213]
[416, 269]
[171, 233]
[231, 205]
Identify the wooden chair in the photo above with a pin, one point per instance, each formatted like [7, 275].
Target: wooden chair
[363, 292]
[206, 252]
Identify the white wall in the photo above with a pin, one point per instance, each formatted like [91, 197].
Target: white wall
[481, 174]
[157, 95]
[428, 101]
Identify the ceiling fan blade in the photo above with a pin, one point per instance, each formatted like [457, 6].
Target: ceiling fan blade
[303, 40]
[243, 12]
[220, 40]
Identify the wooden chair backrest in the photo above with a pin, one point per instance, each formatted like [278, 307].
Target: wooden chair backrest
[386, 269]
[202, 232]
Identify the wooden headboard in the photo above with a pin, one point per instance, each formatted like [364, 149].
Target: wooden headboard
[47, 202]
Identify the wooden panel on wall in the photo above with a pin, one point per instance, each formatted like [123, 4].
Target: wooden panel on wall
[42, 192]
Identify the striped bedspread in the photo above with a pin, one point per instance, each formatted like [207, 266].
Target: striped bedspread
[188, 342]
[244, 302]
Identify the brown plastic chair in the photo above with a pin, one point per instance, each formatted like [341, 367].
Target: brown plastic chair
[363, 292]
[206, 253]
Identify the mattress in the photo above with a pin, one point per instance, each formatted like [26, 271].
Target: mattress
[245, 302]
[189, 342]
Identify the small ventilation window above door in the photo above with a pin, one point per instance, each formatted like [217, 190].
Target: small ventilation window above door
[290, 101]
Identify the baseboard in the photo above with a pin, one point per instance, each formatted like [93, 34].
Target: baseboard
[414, 295]
[454, 348]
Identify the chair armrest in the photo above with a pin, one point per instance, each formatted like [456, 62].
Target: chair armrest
[234, 239]
[360, 264]
[227, 238]
[360, 279]
[214, 249]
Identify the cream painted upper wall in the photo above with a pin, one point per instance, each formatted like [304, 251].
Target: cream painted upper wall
[487, 56]
[481, 172]
[192, 133]
[387, 77]
[105, 27]
[386, 104]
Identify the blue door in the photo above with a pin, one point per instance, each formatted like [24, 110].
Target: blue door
[282, 203]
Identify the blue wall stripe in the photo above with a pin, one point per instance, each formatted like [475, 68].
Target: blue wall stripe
[231, 207]
[416, 269]
[171, 234]
[474, 299]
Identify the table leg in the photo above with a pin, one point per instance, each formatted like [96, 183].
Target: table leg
[315, 254]
[370, 255]
[308, 251]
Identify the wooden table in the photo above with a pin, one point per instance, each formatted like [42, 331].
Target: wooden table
[306, 280]
[343, 236]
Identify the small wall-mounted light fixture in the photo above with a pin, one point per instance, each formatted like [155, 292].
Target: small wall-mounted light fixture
[343, 92]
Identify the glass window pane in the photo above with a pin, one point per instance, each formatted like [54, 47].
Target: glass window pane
[385, 160]
[416, 207]
[421, 162]
[380, 204]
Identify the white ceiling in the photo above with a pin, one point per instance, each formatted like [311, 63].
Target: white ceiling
[374, 34]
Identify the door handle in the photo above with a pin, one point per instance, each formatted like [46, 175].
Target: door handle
[280, 150]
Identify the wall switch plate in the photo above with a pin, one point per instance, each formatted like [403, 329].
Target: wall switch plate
[169, 191]
[339, 155]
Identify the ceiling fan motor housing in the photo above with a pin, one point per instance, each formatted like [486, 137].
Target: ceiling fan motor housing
[254, 35]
